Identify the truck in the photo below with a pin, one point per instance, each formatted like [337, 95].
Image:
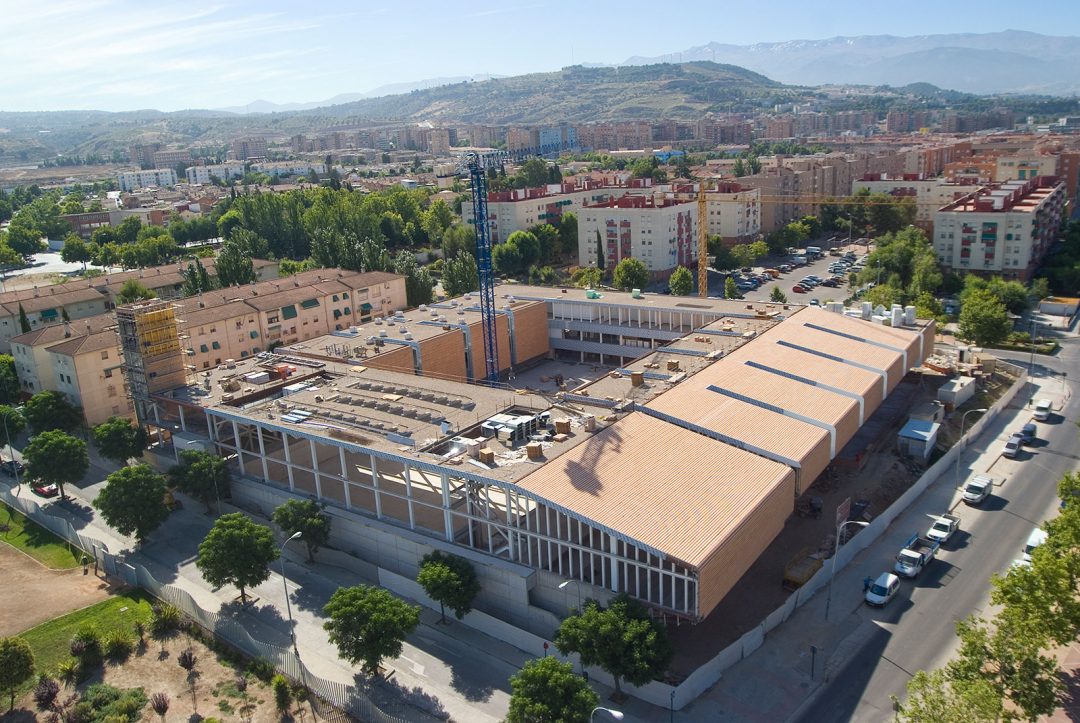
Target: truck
[917, 554]
[943, 528]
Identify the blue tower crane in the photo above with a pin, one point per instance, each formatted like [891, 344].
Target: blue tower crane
[476, 165]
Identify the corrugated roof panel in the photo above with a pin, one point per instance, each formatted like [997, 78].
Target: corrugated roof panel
[667, 487]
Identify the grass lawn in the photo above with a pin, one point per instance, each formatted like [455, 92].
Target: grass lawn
[36, 541]
[51, 640]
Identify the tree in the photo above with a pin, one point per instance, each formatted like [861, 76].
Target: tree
[984, 319]
[196, 279]
[132, 291]
[449, 580]
[16, 665]
[506, 258]
[237, 552]
[56, 458]
[630, 274]
[621, 639]
[599, 252]
[587, 277]
[24, 240]
[731, 290]
[307, 518]
[75, 251]
[127, 231]
[24, 323]
[52, 410]
[368, 624]
[547, 238]
[119, 440]
[568, 234]
[681, 281]
[777, 295]
[934, 697]
[234, 265]
[457, 240]
[202, 475]
[133, 501]
[460, 275]
[11, 423]
[419, 286]
[547, 689]
[9, 380]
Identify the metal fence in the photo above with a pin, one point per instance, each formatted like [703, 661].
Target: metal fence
[345, 696]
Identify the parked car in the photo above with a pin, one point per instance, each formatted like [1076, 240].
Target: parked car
[917, 553]
[831, 283]
[799, 289]
[786, 268]
[12, 467]
[943, 528]
[1028, 433]
[978, 489]
[1036, 538]
[882, 590]
[1043, 407]
[44, 490]
[1012, 446]
[815, 302]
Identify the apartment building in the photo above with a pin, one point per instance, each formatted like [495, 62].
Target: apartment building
[1005, 228]
[245, 149]
[660, 232]
[1025, 166]
[929, 194]
[170, 158]
[134, 180]
[87, 369]
[733, 211]
[33, 366]
[205, 174]
[289, 168]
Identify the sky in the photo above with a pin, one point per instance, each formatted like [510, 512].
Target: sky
[126, 54]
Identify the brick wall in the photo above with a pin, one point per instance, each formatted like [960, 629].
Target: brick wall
[443, 356]
[393, 358]
[531, 331]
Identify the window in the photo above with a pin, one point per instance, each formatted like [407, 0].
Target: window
[344, 296]
[105, 354]
[272, 319]
[108, 373]
[253, 334]
[288, 312]
[112, 390]
[203, 348]
[215, 345]
[308, 304]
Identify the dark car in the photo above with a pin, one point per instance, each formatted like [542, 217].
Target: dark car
[12, 467]
[833, 283]
[1028, 432]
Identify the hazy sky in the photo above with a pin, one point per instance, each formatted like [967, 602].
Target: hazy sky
[128, 54]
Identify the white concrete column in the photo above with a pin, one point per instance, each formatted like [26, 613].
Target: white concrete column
[345, 478]
[239, 447]
[262, 454]
[183, 422]
[613, 546]
[376, 485]
[288, 460]
[315, 468]
[408, 494]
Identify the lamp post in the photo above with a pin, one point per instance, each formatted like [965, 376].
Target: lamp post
[563, 584]
[836, 551]
[616, 714]
[285, 584]
[963, 419]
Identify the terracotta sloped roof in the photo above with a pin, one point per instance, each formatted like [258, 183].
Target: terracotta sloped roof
[56, 332]
[667, 487]
[86, 344]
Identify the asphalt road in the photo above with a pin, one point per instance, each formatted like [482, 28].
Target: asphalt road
[916, 631]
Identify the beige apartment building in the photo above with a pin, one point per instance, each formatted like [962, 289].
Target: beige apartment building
[34, 366]
[87, 370]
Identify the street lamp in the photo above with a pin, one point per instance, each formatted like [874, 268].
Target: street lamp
[562, 586]
[616, 714]
[963, 419]
[836, 551]
[285, 584]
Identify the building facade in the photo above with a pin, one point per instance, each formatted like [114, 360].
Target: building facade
[155, 177]
[659, 232]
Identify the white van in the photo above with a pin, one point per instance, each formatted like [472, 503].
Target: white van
[1036, 538]
[1043, 407]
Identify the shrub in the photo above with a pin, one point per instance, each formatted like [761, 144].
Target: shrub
[166, 618]
[241, 682]
[159, 702]
[45, 692]
[88, 641]
[282, 693]
[261, 670]
[117, 645]
[187, 659]
[70, 671]
[140, 631]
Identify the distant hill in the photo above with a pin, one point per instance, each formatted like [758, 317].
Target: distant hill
[1011, 61]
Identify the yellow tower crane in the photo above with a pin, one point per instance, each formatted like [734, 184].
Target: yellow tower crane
[702, 243]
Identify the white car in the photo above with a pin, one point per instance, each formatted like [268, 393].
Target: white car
[1043, 407]
[882, 590]
[978, 489]
[943, 528]
[1012, 446]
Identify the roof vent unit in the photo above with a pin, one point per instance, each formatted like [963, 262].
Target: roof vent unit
[408, 337]
[230, 363]
[378, 322]
[422, 307]
[382, 333]
[909, 315]
[354, 330]
[391, 322]
[403, 330]
[434, 313]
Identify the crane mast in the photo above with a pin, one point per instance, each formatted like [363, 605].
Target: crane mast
[485, 270]
[703, 243]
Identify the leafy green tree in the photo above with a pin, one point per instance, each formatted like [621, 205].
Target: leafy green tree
[547, 689]
[460, 275]
[56, 458]
[599, 252]
[75, 251]
[132, 291]
[731, 290]
[568, 234]
[9, 380]
[11, 423]
[24, 240]
[197, 279]
[528, 246]
[133, 501]
[202, 475]
[368, 624]
[777, 295]
[16, 665]
[449, 580]
[419, 286]
[119, 440]
[631, 273]
[234, 265]
[984, 319]
[681, 281]
[620, 638]
[52, 410]
[547, 238]
[309, 519]
[457, 240]
[747, 254]
[587, 277]
[24, 322]
[935, 697]
[506, 259]
[237, 552]
[127, 231]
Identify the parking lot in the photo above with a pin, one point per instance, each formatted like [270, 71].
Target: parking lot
[787, 281]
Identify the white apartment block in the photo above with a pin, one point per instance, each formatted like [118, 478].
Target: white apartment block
[1025, 167]
[929, 194]
[156, 177]
[1005, 228]
[659, 232]
[224, 171]
[289, 168]
[733, 211]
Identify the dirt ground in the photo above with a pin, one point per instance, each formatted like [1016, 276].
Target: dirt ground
[31, 593]
[883, 477]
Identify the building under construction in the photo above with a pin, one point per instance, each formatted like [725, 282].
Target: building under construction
[150, 345]
[664, 477]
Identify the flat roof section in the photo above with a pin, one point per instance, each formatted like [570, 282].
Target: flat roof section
[670, 488]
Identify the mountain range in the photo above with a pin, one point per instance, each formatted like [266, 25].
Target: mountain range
[1011, 61]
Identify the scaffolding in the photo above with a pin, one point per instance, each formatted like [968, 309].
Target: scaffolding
[150, 347]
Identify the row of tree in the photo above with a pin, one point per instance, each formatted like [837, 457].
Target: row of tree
[1005, 668]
